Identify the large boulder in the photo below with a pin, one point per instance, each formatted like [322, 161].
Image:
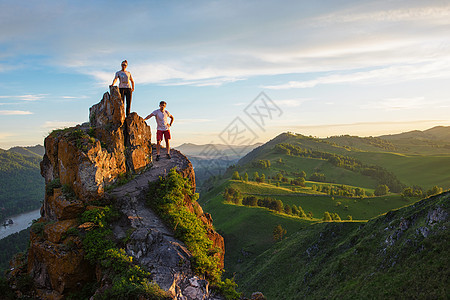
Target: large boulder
[137, 142]
[89, 157]
[109, 112]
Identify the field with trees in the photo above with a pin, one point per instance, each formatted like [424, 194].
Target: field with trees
[295, 185]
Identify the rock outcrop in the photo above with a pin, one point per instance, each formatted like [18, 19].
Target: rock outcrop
[91, 156]
[81, 166]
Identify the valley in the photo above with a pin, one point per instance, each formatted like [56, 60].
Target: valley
[319, 185]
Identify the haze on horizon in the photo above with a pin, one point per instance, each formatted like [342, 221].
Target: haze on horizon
[363, 68]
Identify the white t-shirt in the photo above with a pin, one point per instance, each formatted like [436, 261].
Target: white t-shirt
[124, 77]
[161, 119]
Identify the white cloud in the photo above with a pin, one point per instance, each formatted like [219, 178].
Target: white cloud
[391, 74]
[58, 124]
[198, 48]
[431, 13]
[14, 112]
[190, 121]
[291, 102]
[398, 103]
[25, 97]
[5, 135]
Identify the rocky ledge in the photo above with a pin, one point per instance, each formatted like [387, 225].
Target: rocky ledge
[152, 244]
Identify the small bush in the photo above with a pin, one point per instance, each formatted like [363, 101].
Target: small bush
[38, 228]
[68, 192]
[49, 187]
[129, 280]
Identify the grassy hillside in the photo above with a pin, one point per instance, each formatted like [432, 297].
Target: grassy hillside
[341, 176]
[421, 170]
[400, 255]
[426, 169]
[247, 230]
[317, 203]
[21, 184]
[438, 133]
[37, 150]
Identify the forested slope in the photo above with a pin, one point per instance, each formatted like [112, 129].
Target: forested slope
[21, 184]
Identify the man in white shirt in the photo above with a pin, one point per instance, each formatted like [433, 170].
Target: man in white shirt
[126, 89]
[163, 127]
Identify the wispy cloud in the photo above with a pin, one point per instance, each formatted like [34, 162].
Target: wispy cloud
[263, 39]
[291, 102]
[58, 124]
[366, 128]
[190, 121]
[14, 112]
[389, 74]
[431, 13]
[4, 135]
[370, 123]
[25, 97]
[398, 103]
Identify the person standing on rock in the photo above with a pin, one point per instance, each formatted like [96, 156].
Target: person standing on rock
[126, 89]
[163, 127]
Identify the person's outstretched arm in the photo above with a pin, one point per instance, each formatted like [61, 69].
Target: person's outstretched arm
[149, 116]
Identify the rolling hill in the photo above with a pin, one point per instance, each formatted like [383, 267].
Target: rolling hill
[21, 184]
[297, 182]
[400, 255]
[37, 150]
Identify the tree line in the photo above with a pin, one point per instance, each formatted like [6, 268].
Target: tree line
[233, 195]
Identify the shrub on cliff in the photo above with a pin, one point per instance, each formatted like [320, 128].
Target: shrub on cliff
[129, 281]
[167, 197]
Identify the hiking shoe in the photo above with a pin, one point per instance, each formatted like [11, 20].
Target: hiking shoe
[157, 157]
[168, 156]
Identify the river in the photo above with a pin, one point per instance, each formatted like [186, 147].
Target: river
[21, 222]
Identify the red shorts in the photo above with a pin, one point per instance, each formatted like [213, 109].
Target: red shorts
[160, 133]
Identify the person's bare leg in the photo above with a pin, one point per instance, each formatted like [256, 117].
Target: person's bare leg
[168, 146]
[158, 147]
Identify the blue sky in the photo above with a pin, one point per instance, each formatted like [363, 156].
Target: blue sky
[328, 67]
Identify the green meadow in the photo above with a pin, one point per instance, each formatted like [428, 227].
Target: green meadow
[422, 170]
[249, 231]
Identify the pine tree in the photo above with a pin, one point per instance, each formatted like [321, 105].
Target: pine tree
[236, 176]
[245, 176]
[326, 216]
[278, 233]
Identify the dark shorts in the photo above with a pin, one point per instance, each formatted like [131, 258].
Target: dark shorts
[161, 133]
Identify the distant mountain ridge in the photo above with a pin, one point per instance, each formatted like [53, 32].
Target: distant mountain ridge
[208, 150]
[436, 133]
[37, 150]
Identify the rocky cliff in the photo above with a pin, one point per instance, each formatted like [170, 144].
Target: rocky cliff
[108, 161]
